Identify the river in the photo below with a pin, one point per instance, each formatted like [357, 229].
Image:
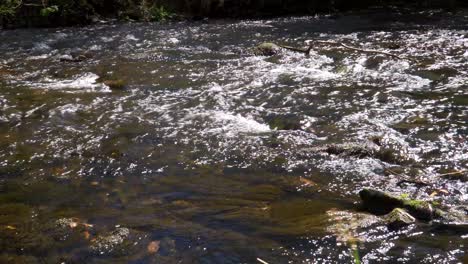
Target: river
[209, 154]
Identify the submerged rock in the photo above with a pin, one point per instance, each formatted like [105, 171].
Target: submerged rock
[68, 229]
[115, 84]
[284, 122]
[347, 226]
[364, 150]
[453, 220]
[457, 215]
[399, 218]
[73, 58]
[350, 150]
[114, 242]
[379, 202]
[401, 211]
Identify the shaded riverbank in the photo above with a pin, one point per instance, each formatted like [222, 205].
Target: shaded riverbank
[31, 13]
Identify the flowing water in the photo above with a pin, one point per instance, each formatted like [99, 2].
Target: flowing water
[210, 154]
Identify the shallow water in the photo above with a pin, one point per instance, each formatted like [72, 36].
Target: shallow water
[211, 152]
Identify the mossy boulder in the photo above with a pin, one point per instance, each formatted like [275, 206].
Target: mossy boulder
[284, 122]
[267, 49]
[380, 203]
[115, 84]
[421, 209]
[399, 218]
[348, 226]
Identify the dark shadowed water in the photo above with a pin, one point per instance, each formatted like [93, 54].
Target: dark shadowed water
[210, 154]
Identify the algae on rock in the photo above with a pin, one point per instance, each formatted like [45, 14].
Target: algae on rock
[379, 202]
[399, 218]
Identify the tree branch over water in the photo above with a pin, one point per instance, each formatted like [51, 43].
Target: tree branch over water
[334, 43]
[271, 48]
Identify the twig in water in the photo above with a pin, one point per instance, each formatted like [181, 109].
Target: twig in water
[261, 261]
[362, 50]
[395, 173]
[452, 173]
[417, 183]
[305, 51]
[401, 182]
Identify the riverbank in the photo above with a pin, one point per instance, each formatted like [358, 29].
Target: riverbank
[33, 13]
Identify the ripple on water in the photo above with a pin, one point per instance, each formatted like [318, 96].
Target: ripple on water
[86, 82]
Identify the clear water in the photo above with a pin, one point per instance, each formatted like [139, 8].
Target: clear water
[211, 152]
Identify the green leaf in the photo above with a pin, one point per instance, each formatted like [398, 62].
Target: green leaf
[49, 10]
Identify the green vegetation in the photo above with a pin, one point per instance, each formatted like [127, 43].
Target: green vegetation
[357, 259]
[14, 13]
[379, 202]
[8, 7]
[404, 196]
[414, 203]
[159, 13]
[46, 11]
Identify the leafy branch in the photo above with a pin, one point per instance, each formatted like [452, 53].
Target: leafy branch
[9, 7]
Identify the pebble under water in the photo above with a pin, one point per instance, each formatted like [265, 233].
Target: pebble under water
[206, 153]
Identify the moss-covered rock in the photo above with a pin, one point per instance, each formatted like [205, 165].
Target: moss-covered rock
[266, 49]
[379, 202]
[115, 84]
[399, 218]
[420, 209]
[347, 226]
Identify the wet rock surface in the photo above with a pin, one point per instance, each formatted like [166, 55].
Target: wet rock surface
[399, 218]
[382, 203]
[115, 242]
[367, 149]
[267, 49]
[348, 225]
